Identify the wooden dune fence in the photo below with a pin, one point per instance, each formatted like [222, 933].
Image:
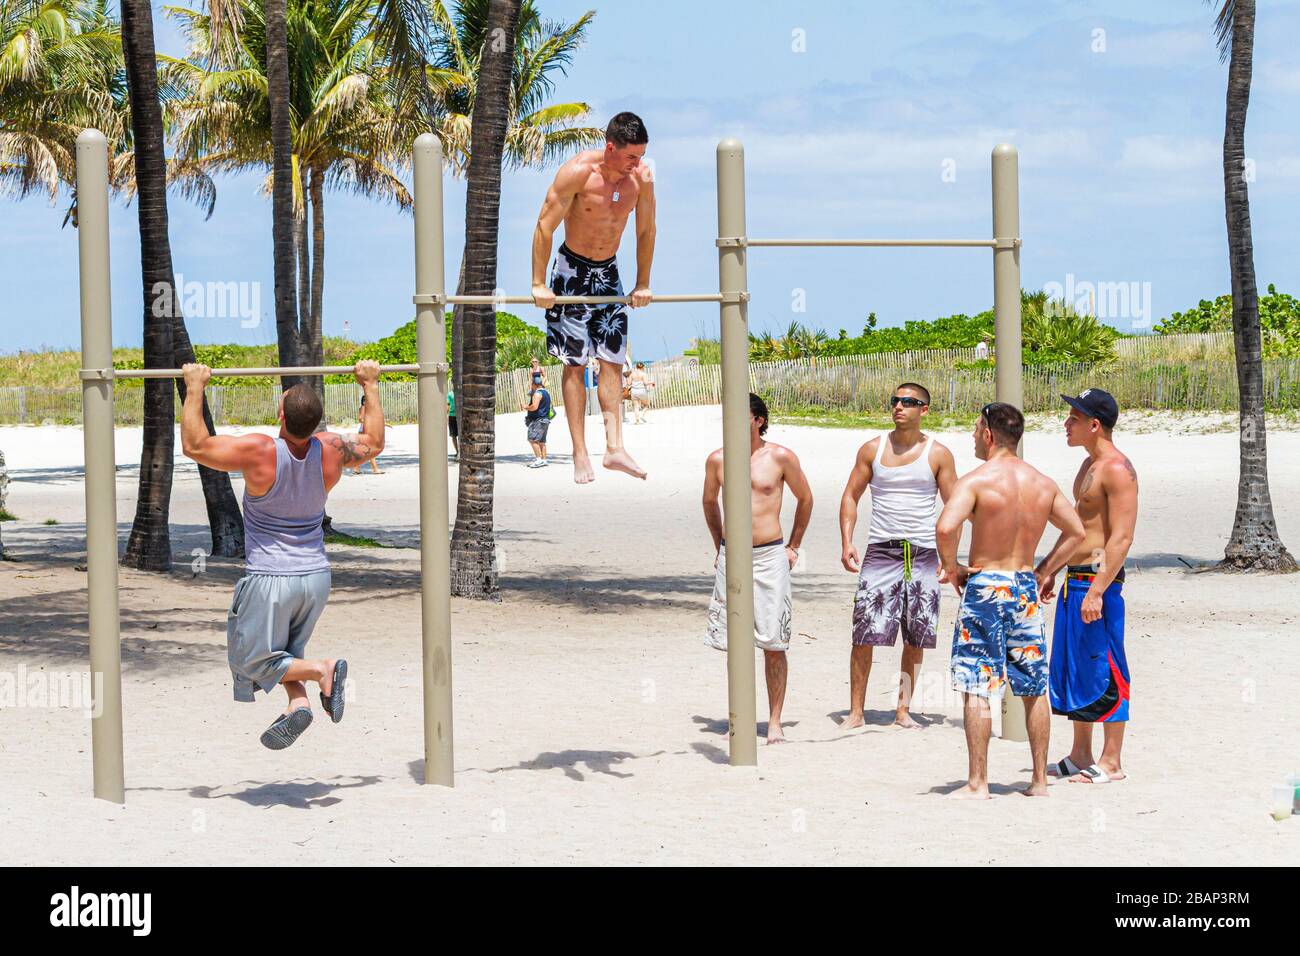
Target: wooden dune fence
[850, 383]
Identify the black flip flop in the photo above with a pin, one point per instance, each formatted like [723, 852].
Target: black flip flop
[333, 704]
[287, 728]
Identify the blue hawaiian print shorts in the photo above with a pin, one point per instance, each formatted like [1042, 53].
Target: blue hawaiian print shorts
[999, 638]
[574, 333]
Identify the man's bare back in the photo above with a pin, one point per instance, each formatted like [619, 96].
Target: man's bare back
[1013, 501]
[1008, 503]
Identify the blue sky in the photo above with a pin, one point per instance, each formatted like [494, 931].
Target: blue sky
[850, 113]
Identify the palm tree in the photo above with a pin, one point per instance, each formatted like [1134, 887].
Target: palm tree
[149, 546]
[473, 547]
[1255, 544]
[344, 131]
[60, 71]
[1053, 325]
[539, 132]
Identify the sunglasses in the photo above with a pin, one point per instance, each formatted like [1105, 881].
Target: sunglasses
[906, 402]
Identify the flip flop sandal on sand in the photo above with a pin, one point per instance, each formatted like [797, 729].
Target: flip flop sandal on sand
[334, 703]
[1095, 774]
[1064, 768]
[287, 728]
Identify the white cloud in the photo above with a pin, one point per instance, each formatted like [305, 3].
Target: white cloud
[1160, 153]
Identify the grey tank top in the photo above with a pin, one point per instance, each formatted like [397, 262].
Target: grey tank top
[282, 528]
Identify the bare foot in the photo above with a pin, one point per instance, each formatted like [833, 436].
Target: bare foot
[904, 719]
[853, 722]
[583, 473]
[1035, 790]
[774, 735]
[621, 461]
[970, 793]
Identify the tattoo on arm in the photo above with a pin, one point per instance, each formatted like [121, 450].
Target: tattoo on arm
[351, 452]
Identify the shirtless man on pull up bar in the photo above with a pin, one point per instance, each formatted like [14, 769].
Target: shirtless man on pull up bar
[593, 194]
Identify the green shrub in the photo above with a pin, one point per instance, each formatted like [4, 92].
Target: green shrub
[1279, 320]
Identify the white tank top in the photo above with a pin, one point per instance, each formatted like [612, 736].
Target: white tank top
[902, 499]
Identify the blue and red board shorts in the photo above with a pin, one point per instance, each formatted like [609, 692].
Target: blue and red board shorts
[1089, 672]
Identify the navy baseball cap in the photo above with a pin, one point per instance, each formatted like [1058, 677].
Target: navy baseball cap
[1097, 404]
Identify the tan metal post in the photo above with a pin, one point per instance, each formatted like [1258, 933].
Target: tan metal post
[1006, 334]
[101, 468]
[736, 483]
[1006, 272]
[435, 547]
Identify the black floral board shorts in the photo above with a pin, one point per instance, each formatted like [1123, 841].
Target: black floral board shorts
[574, 333]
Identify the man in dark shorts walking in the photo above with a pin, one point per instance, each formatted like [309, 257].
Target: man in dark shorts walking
[537, 419]
[452, 428]
[1090, 677]
[593, 194]
[898, 587]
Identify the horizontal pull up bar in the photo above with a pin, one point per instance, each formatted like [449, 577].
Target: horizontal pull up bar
[432, 299]
[94, 374]
[951, 243]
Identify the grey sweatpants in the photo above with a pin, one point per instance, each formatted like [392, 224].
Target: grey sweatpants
[271, 618]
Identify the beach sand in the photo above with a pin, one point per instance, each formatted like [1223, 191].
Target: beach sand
[590, 719]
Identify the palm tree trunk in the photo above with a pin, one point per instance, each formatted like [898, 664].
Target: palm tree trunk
[282, 221]
[315, 340]
[458, 331]
[224, 518]
[149, 546]
[303, 251]
[473, 547]
[1254, 544]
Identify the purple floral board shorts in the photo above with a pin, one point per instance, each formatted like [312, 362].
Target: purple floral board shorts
[898, 589]
[574, 333]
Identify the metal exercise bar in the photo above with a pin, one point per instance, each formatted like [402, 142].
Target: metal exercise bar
[241, 372]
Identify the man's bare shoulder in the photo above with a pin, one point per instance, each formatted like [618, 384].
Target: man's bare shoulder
[715, 458]
[783, 454]
[868, 449]
[940, 452]
[575, 170]
[1117, 468]
[258, 444]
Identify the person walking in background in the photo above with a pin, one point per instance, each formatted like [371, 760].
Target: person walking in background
[641, 383]
[452, 428]
[361, 430]
[537, 418]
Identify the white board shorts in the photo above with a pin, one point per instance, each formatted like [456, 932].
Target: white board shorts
[773, 608]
